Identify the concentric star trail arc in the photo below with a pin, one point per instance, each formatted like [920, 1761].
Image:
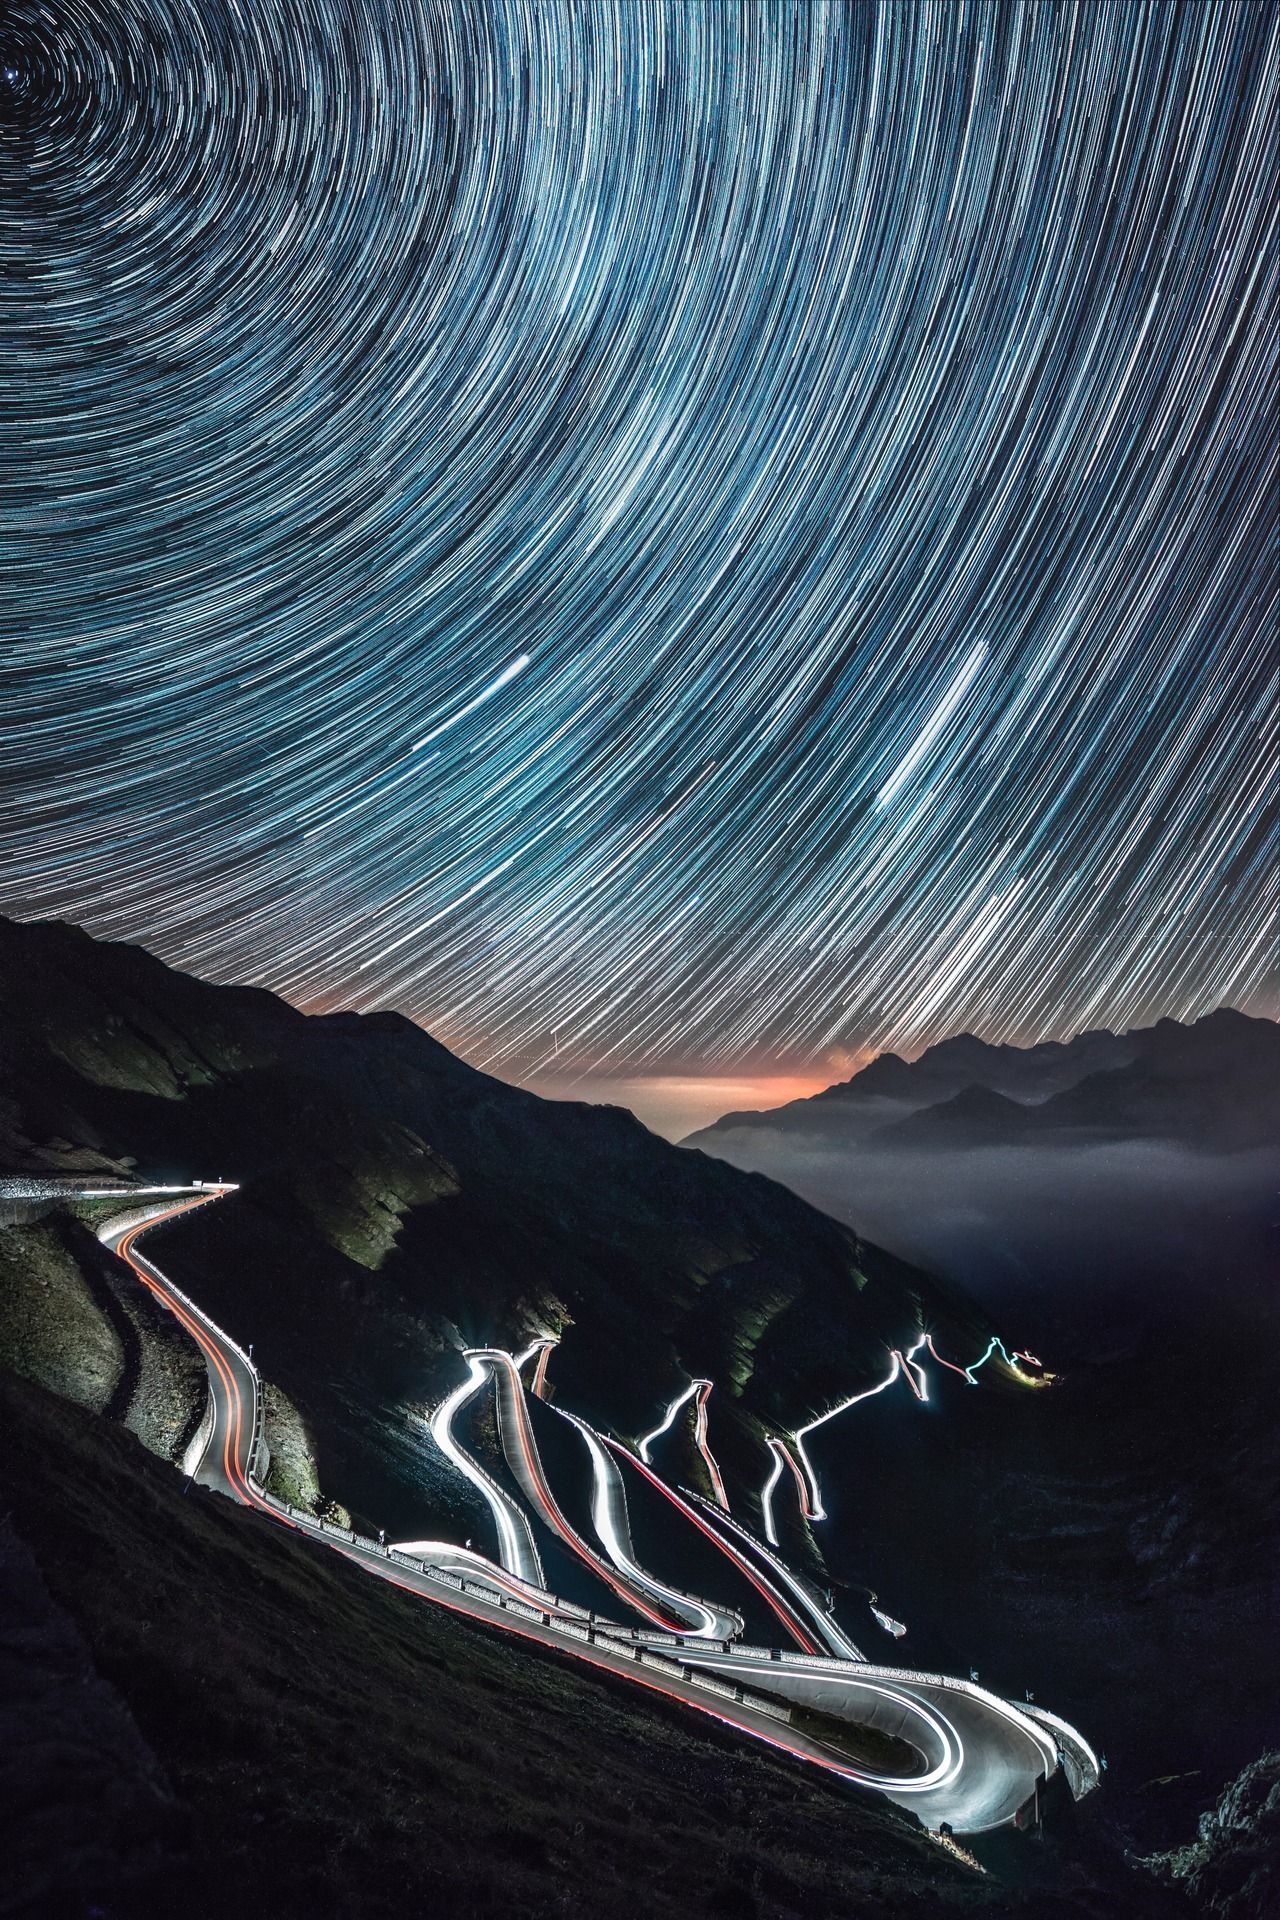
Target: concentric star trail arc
[645, 532]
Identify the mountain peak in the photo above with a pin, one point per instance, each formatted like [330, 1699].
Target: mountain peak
[949, 1079]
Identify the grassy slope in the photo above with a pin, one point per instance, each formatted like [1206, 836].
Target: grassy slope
[51, 1326]
[333, 1746]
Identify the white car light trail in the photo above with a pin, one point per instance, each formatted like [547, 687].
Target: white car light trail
[646, 1444]
[818, 1511]
[608, 1511]
[526, 1463]
[699, 1392]
[517, 1550]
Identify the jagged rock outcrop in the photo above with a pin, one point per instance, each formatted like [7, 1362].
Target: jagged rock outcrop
[1232, 1868]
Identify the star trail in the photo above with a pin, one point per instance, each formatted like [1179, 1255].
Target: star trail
[644, 534]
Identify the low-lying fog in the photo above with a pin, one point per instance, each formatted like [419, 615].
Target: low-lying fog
[1073, 1244]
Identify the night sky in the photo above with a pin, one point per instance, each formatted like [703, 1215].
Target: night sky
[662, 540]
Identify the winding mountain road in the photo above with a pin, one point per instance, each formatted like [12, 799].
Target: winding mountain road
[977, 1760]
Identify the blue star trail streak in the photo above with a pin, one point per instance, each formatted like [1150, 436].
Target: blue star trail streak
[665, 532]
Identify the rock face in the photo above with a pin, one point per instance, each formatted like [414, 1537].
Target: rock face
[397, 1205]
[1232, 1868]
[73, 1319]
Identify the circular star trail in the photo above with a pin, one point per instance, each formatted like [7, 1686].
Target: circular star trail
[650, 530]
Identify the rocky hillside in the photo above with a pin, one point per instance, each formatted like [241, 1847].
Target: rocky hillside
[1232, 1867]
[397, 1205]
[72, 1317]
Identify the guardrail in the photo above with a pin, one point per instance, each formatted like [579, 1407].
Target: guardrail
[1079, 1757]
[825, 1622]
[198, 1445]
[72, 1187]
[1068, 1741]
[598, 1635]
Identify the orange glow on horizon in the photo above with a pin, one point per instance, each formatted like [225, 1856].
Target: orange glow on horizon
[675, 1104]
[672, 1104]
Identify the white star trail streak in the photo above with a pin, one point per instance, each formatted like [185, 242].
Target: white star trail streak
[643, 532]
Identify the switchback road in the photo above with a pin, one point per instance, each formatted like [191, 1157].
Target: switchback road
[977, 1761]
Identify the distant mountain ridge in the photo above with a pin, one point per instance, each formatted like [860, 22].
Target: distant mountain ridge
[1213, 1083]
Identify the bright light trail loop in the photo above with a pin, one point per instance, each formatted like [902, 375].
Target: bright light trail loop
[699, 1392]
[932, 1729]
[517, 1548]
[982, 1754]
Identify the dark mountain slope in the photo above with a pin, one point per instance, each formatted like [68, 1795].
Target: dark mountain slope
[890, 1087]
[976, 1113]
[397, 1205]
[1214, 1084]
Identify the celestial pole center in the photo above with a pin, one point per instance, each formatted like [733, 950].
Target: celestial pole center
[644, 534]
